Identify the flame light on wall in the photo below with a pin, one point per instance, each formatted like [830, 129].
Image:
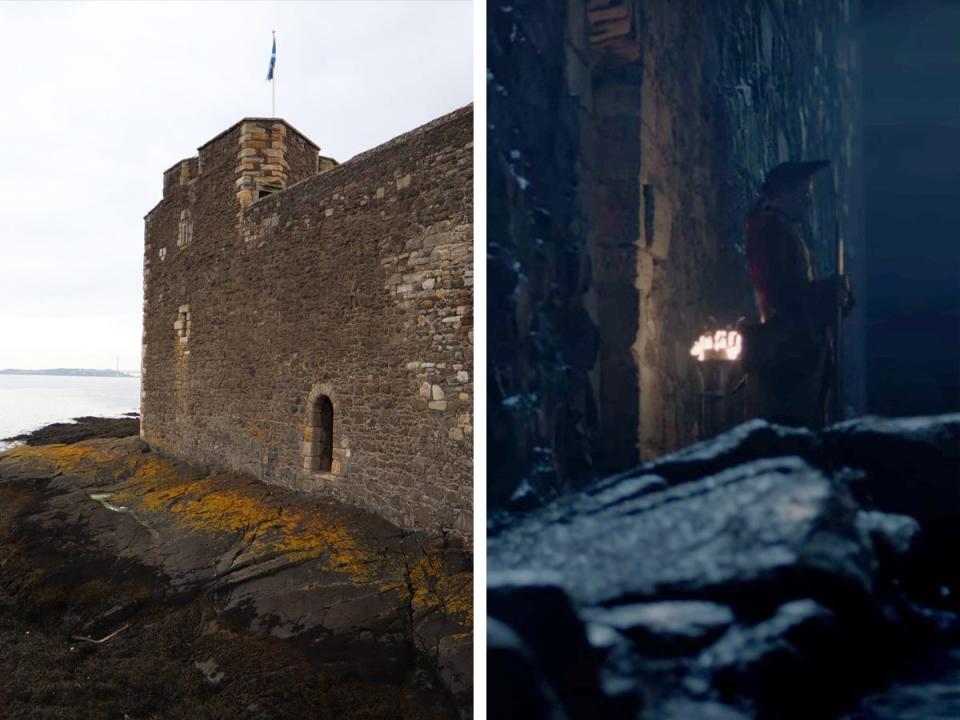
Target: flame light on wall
[718, 345]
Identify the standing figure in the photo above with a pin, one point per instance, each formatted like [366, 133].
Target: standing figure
[790, 356]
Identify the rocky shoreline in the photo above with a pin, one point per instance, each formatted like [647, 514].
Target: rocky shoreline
[767, 573]
[82, 428]
[214, 595]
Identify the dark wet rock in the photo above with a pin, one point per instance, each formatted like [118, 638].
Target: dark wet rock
[521, 689]
[929, 689]
[776, 526]
[668, 627]
[367, 598]
[911, 466]
[732, 578]
[621, 668]
[82, 428]
[613, 491]
[750, 441]
[539, 610]
[672, 569]
[690, 710]
[895, 534]
[524, 497]
[774, 656]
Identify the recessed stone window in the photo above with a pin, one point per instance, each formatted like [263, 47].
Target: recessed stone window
[185, 229]
[318, 436]
[264, 190]
[648, 200]
[182, 324]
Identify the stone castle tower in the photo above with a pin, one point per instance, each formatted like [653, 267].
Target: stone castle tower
[311, 322]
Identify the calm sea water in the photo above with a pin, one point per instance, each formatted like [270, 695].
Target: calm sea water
[31, 401]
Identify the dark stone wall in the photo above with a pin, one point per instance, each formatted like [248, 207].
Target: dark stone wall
[355, 284]
[726, 91]
[301, 156]
[641, 144]
[541, 342]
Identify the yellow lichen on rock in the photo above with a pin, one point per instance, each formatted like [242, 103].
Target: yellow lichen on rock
[210, 504]
[152, 484]
[433, 586]
[269, 524]
[67, 459]
[307, 534]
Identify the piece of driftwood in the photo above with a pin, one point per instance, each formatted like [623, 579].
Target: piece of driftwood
[101, 640]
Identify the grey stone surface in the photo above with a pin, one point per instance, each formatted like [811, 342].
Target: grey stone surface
[776, 523]
[736, 593]
[320, 288]
[668, 626]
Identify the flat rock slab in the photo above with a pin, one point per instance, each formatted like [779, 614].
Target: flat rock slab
[778, 524]
[343, 581]
[668, 627]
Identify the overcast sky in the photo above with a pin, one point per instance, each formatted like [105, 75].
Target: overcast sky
[98, 99]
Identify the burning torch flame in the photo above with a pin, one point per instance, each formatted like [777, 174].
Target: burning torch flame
[720, 344]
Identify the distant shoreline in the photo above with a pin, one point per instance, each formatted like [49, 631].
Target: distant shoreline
[69, 372]
[80, 428]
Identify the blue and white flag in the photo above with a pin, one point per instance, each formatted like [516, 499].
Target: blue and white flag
[273, 59]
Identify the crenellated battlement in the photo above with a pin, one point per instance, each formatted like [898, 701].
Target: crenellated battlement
[269, 155]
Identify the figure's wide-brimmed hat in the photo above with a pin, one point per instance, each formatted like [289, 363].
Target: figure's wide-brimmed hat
[790, 174]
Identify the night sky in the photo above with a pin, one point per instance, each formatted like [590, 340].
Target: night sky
[911, 87]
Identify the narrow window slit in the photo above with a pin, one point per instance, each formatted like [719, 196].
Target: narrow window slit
[318, 436]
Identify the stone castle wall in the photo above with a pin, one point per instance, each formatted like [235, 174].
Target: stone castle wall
[690, 108]
[351, 287]
[628, 140]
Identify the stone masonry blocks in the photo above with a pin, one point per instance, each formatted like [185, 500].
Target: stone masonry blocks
[354, 283]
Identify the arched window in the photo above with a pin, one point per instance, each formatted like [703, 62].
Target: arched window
[318, 435]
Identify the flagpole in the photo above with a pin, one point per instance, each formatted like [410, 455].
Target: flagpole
[273, 81]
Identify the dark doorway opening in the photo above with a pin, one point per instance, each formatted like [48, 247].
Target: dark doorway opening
[320, 434]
